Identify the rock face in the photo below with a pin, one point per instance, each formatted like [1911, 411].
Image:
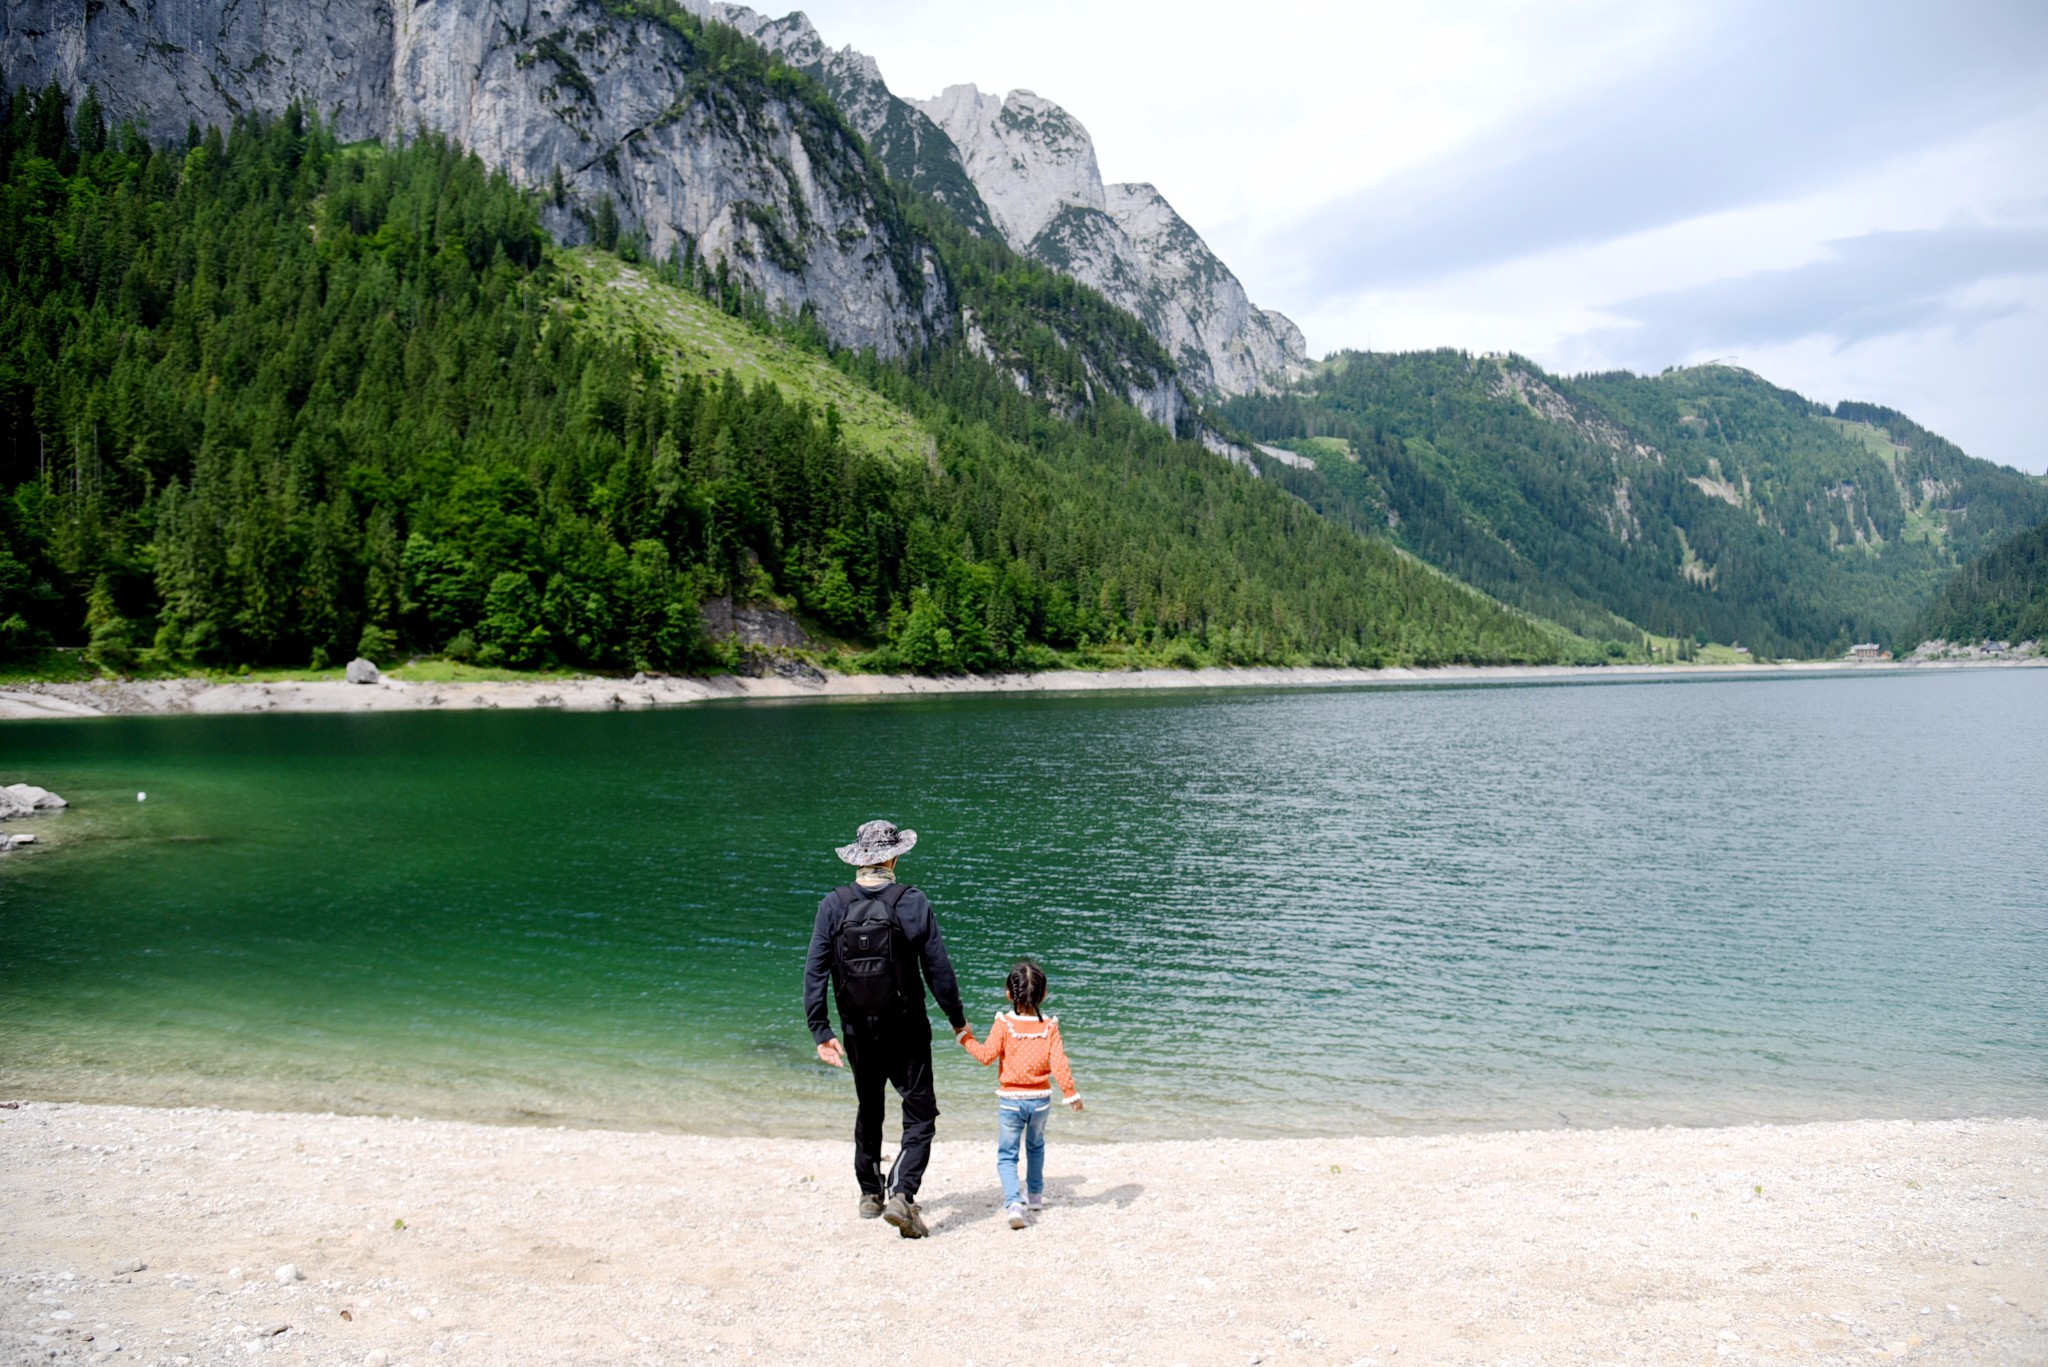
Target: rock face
[1035, 167]
[903, 138]
[1024, 168]
[629, 112]
[752, 624]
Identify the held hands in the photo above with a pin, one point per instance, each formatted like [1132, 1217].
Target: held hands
[831, 1053]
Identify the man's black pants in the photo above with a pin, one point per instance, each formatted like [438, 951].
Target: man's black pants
[897, 1053]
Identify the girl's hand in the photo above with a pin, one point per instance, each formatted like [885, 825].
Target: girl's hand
[1080, 1105]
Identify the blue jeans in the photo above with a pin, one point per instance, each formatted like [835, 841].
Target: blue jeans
[1021, 1118]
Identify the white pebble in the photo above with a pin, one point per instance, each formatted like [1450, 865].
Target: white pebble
[288, 1274]
[140, 796]
[376, 1357]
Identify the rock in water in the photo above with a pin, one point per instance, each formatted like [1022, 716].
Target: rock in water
[41, 799]
[361, 671]
[12, 807]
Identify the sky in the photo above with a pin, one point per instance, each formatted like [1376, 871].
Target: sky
[1850, 199]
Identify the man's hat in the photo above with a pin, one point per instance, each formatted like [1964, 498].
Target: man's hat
[877, 842]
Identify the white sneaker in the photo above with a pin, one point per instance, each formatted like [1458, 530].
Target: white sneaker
[1018, 1219]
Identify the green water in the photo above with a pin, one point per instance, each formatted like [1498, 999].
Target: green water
[1285, 912]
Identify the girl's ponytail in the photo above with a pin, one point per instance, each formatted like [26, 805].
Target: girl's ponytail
[1026, 986]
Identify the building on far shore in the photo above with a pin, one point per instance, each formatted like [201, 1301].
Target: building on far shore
[1869, 650]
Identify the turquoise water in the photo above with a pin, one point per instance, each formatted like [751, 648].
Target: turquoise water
[1699, 901]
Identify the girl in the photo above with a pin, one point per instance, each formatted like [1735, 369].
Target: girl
[1028, 1043]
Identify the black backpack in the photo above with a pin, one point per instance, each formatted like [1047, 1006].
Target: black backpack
[871, 956]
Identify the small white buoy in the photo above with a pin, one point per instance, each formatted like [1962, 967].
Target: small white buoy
[140, 796]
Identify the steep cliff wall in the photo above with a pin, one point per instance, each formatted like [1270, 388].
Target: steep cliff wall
[594, 104]
[903, 138]
[1023, 168]
[1035, 166]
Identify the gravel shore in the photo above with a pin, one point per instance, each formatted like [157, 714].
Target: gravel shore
[202, 1236]
[133, 697]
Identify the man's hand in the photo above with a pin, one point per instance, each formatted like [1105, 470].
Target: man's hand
[831, 1053]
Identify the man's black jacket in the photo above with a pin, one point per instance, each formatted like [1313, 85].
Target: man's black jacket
[920, 931]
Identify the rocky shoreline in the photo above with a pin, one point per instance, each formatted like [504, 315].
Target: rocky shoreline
[796, 679]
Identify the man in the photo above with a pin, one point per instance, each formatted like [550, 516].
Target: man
[877, 941]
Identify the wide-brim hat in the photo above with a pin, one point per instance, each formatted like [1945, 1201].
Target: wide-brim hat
[877, 842]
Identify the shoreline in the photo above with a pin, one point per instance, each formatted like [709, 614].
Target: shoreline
[212, 697]
[201, 1236]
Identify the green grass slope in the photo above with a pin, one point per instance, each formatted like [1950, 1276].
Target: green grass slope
[629, 306]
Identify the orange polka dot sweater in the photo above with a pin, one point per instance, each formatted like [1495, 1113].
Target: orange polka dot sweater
[1030, 1051]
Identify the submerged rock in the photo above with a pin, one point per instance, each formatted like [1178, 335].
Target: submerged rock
[361, 671]
[18, 800]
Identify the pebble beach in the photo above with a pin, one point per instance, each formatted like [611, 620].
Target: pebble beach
[195, 1236]
[209, 696]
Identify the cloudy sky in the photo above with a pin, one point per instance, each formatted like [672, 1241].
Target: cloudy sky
[1849, 198]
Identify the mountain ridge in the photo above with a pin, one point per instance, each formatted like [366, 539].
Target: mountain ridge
[1704, 503]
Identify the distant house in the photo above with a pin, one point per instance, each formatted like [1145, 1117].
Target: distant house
[1869, 650]
[1996, 648]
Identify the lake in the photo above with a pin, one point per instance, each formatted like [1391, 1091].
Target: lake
[1263, 912]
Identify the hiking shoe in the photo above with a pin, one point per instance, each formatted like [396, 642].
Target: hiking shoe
[902, 1212]
[1035, 1202]
[1018, 1219]
[870, 1205]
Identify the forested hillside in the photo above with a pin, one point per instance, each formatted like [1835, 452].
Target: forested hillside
[2000, 596]
[269, 399]
[1702, 503]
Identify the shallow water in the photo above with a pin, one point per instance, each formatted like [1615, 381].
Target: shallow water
[1708, 901]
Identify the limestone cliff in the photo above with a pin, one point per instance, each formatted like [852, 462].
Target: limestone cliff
[1035, 167]
[616, 112]
[1025, 168]
[911, 148]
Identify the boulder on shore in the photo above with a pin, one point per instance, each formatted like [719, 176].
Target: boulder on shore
[361, 671]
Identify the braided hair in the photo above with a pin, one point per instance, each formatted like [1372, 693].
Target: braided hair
[1026, 986]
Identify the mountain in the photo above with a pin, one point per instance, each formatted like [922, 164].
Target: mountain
[654, 122]
[1035, 167]
[1023, 167]
[637, 120]
[271, 399]
[2000, 596]
[1703, 503]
